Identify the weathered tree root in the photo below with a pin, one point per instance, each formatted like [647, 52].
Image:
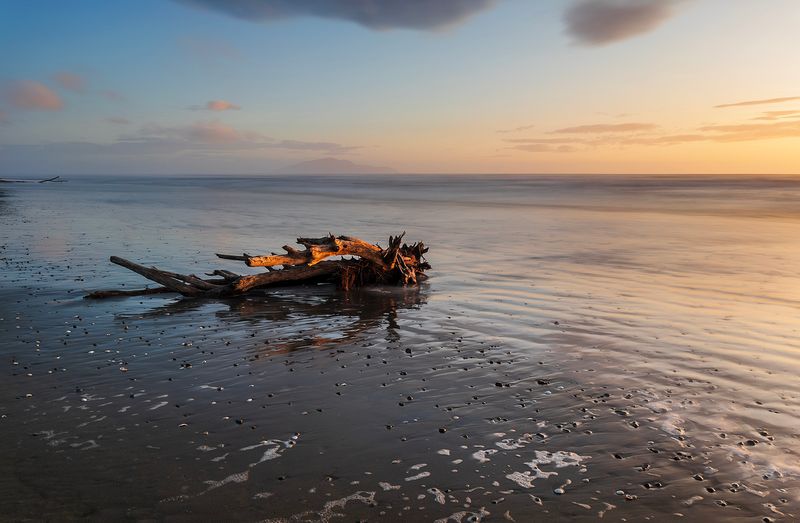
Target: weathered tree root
[398, 264]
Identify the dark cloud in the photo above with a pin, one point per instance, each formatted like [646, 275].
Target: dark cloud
[601, 22]
[375, 14]
[608, 128]
[759, 102]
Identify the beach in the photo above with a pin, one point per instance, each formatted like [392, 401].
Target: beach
[586, 347]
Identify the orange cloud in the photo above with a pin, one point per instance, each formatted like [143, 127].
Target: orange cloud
[221, 105]
[600, 136]
[776, 115]
[70, 81]
[608, 128]
[27, 94]
[755, 131]
[759, 102]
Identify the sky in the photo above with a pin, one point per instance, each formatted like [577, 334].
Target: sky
[418, 86]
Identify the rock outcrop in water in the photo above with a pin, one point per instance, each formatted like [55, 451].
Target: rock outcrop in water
[398, 264]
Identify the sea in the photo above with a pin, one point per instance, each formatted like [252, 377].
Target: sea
[624, 348]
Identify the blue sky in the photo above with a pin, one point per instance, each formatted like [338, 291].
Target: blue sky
[132, 81]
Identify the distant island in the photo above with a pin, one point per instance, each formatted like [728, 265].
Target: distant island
[332, 166]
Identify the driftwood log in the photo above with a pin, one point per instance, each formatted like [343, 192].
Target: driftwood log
[397, 264]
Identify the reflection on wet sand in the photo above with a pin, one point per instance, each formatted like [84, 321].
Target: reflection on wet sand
[330, 316]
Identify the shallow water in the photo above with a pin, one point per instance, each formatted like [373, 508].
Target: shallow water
[624, 348]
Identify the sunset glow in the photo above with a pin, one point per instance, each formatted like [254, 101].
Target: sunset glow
[683, 86]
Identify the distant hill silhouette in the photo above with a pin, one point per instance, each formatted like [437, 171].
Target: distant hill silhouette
[332, 166]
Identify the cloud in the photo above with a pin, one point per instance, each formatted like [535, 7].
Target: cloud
[759, 102]
[516, 129]
[200, 147]
[546, 145]
[118, 120]
[3, 118]
[667, 139]
[544, 148]
[214, 135]
[70, 81]
[777, 115]
[211, 133]
[215, 105]
[608, 128]
[374, 14]
[601, 22]
[597, 137]
[27, 94]
[550, 141]
[754, 131]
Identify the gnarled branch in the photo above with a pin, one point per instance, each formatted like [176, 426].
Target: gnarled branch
[397, 264]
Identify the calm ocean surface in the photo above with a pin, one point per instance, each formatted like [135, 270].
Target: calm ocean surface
[586, 347]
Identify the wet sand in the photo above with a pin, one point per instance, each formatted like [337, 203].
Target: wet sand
[585, 349]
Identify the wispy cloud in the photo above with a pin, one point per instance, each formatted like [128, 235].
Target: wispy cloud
[608, 128]
[30, 95]
[601, 22]
[753, 131]
[70, 81]
[117, 120]
[201, 147]
[375, 14]
[550, 141]
[544, 148]
[216, 135]
[216, 105]
[210, 133]
[777, 115]
[759, 102]
[516, 129]
[599, 137]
